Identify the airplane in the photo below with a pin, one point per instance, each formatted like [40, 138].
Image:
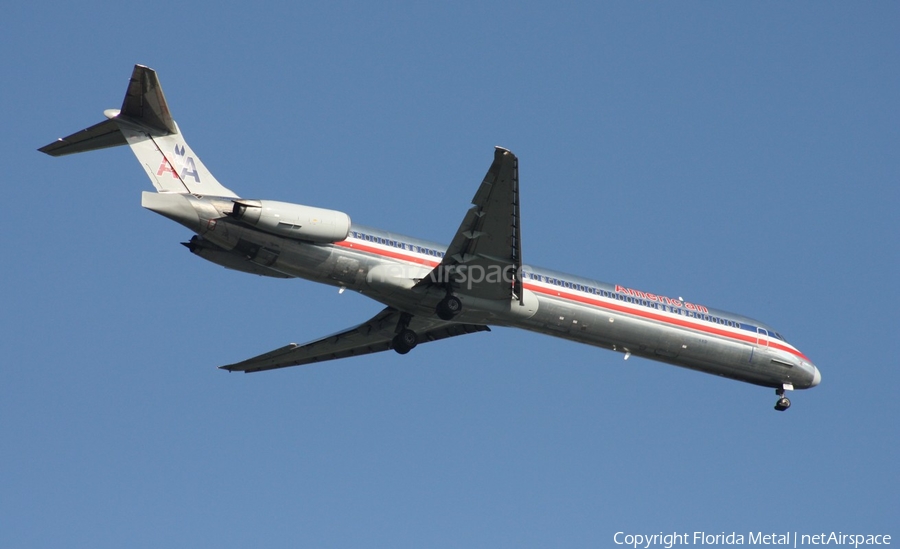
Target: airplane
[430, 291]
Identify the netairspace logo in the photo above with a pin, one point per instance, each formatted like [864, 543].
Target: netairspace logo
[789, 539]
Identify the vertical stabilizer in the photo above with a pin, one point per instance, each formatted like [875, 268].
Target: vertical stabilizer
[145, 103]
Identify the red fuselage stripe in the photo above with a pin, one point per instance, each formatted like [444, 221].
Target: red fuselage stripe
[684, 323]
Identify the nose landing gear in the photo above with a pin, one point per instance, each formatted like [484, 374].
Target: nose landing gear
[783, 402]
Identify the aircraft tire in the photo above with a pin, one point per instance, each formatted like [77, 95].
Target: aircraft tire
[405, 341]
[449, 307]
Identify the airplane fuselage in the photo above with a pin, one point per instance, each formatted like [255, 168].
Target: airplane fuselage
[382, 266]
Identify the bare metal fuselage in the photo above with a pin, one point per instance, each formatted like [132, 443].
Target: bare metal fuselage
[382, 266]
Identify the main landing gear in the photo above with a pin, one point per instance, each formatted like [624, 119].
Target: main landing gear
[449, 307]
[783, 402]
[405, 340]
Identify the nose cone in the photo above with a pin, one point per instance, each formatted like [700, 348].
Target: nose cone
[817, 377]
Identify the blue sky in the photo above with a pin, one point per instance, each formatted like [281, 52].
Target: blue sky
[744, 156]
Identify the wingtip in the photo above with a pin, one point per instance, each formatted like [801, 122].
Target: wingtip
[502, 152]
[48, 148]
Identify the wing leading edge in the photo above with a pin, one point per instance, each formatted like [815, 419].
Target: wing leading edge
[373, 336]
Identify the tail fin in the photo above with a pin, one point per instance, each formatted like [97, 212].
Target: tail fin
[145, 124]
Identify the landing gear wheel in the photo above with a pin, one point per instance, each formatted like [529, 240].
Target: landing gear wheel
[405, 341]
[783, 402]
[449, 307]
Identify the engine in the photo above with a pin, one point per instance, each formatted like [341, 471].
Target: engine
[293, 220]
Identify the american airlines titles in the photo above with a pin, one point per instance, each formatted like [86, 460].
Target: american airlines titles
[186, 163]
[661, 299]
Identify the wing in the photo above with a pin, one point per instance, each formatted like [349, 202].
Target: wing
[486, 251]
[372, 336]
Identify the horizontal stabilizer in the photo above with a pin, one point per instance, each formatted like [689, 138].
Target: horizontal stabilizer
[99, 136]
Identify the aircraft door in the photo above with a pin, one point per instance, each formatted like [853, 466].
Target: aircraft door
[761, 337]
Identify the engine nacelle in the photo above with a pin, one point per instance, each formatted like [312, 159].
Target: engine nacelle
[293, 220]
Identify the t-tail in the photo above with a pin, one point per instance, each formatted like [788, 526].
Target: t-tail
[145, 124]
